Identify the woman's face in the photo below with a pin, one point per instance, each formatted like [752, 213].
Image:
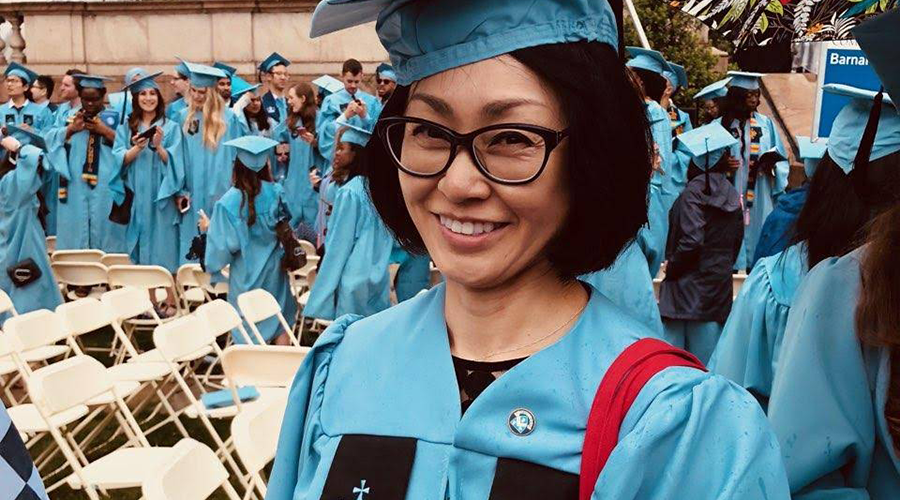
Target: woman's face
[480, 233]
[294, 101]
[147, 100]
[752, 100]
[710, 110]
[38, 92]
[343, 156]
[198, 96]
[255, 104]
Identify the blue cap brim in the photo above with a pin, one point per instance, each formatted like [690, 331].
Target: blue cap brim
[335, 15]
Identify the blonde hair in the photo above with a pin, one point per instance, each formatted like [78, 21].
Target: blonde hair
[212, 110]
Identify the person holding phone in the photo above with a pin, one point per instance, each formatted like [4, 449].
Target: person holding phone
[149, 168]
[298, 132]
[81, 152]
[358, 107]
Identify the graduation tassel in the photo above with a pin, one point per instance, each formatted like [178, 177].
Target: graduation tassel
[861, 160]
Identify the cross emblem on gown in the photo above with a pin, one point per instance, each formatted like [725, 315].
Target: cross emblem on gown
[361, 489]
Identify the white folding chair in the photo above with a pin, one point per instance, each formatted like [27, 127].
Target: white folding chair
[737, 281]
[151, 278]
[72, 274]
[222, 318]
[259, 305]
[6, 304]
[255, 434]
[71, 384]
[77, 256]
[190, 291]
[193, 472]
[209, 288]
[116, 259]
[51, 245]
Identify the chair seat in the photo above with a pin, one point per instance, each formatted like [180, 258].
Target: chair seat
[44, 353]
[266, 396]
[154, 356]
[123, 468]
[29, 420]
[139, 372]
[7, 366]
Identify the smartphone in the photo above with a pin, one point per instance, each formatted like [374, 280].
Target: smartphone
[184, 205]
[147, 134]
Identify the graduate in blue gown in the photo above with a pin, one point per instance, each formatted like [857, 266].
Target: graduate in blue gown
[241, 234]
[205, 124]
[353, 274]
[705, 232]
[359, 108]
[481, 387]
[325, 85]
[759, 185]
[274, 71]
[152, 170]
[80, 149]
[680, 122]
[20, 225]
[182, 83]
[299, 133]
[248, 108]
[833, 401]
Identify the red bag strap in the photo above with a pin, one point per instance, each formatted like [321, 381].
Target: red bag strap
[620, 386]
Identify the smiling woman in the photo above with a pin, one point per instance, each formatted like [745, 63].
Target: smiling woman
[515, 152]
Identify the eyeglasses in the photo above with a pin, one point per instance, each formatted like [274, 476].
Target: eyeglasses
[506, 153]
[383, 81]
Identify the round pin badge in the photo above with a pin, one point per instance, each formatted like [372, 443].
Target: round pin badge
[521, 422]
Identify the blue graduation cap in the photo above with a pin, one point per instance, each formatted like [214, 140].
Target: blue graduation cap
[273, 60]
[142, 82]
[15, 69]
[649, 60]
[328, 84]
[848, 132]
[714, 90]
[425, 38]
[386, 71]
[252, 150]
[231, 70]
[91, 81]
[27, 136]
[706, 145]
[353, 134]
[745, 80]
[879, 38]
[239, 86]
[681, 74]
[203, 76]
[811, 152]
[182, 68]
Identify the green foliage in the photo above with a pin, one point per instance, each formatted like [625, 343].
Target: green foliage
[677, 36]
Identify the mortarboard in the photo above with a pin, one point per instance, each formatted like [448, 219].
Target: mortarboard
[649, 60]
[203, 76]
[91, 81]
[273, 60]
[27, 136]
[252, 150]
[879, 38]
[352, 133]
[230, 70]
[745, 80]
[328, 84]
[714, 90]
[19, 70]
[848, 130]
[706, 145]
[239, 86]
[811, 152]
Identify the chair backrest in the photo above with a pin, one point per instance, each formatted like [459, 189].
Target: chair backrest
[77, 256]
[255, 432]
[80, 273]
[144, 277]
[262, 365]
[311, 278]
[51, 244]
[205, 281]
[34, 329]
[116, 259]
[257, 305]
[222, 318]
[182, 336]
[185, 277]
[127, 302]
[83, 316]
[192, 472]
[308, 247]
[68, 383]
[6, 304]
[737, 281]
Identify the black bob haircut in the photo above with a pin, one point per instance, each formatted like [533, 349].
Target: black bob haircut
[654, 83]
[608, 158]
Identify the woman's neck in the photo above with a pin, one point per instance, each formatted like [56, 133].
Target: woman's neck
[513, 320]
[147, 119]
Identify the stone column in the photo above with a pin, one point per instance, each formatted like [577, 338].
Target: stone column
[16, 42]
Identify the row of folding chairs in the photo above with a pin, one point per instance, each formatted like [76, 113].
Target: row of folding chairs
[68, 397]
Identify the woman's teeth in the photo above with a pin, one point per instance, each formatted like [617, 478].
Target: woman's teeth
[467, 228]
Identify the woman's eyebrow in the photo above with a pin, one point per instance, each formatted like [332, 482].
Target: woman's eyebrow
[497, 109]
[437, 104]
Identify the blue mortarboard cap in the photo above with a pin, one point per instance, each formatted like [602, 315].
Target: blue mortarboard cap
[354, 134]
[386, 71]
[424, 38]
[273, 60]
[649, 60]
[142, 81]
[811, 152]
[681, 74]
[850, 123]
[253, 150]
[707, 144]
[745, 80]
[16, 69]
[231, 70]
[714, 90]
[203, 76]
[26, 136]
[239, 86]
[182, 68]
[879, 38]
[91, 81]
[328, 84]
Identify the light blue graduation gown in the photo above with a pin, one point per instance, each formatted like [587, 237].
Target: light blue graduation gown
[652, 238]
[332, 107]
[22, 237]
[688, 434]
[327, 191]
[153, 228]
[39, 118]
[253, 252]
[829, 394]
[413, 274]
[747, 352]
[173, 109]
[301, 197]
[767, 188]
[207, 172]
[83, 217]
[628, 284]
[353, 274]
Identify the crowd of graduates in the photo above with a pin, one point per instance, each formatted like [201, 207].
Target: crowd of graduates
[214, 175]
